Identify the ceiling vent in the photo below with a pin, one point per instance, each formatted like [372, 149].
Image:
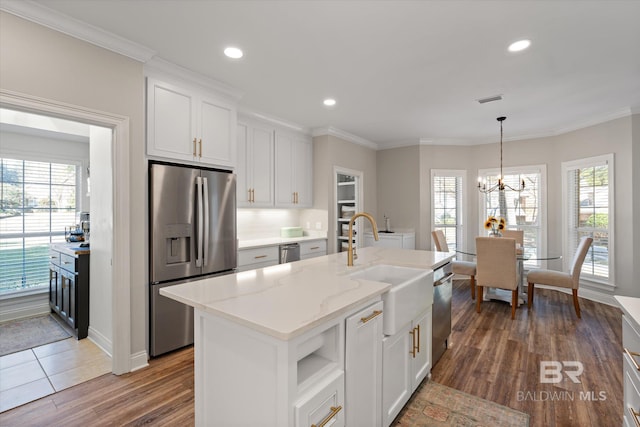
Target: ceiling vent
[490, 99]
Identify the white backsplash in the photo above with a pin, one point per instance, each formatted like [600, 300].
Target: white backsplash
[266, 223]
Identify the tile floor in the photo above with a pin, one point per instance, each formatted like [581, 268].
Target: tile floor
[28, 375]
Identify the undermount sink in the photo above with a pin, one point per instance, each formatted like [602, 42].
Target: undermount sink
[411, 293]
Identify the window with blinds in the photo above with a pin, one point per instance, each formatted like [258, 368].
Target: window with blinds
[588, 186]
[447, 205]
[37, 201]
[522, 210]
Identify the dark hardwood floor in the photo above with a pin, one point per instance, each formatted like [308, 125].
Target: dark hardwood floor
[498, 359]
[490, 356]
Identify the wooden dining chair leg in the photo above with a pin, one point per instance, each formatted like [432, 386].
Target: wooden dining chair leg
[473, 287]
[576, 304]
[529, 295]
[514, 303]
[479, 299]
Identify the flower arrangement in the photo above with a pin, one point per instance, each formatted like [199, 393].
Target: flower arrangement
[495, 225]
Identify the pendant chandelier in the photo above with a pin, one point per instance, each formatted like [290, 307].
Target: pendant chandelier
[500, 186]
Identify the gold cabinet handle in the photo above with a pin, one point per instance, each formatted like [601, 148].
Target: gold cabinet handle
[200, 142]
[413, 342]
[66, 262]
[418, 334]
[334, 412]
[371, 316]
[631, 354]
[249, 195]
[315, 247]
[194, 147]
[634, 415]
[296, 197]
[259, 256]
[253, 195]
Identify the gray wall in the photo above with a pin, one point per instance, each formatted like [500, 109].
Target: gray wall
[45, 63]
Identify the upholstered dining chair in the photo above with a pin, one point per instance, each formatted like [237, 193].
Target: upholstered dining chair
[570, 280]
[496, 268]
[466, 268]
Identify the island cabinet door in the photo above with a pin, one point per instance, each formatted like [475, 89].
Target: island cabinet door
[363, 367]
[421, 361]
[396, 372]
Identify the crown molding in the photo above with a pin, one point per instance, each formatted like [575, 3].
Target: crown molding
[251, 114]
[594, 120]
[166, 68]
[55, 20]
[330, 130]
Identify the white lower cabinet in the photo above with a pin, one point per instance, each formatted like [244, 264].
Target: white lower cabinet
[391, 240]
[312, 249]
[631, 371]
[363, 364]
[324, 404]
[406, 361]
[250, 259]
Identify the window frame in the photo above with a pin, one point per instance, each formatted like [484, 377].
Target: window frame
[541, 170]
[461, 237]
[568, 253]
[28, 157]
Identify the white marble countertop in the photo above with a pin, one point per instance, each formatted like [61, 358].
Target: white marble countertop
[287, 300]
[630, 306]
[273, 241]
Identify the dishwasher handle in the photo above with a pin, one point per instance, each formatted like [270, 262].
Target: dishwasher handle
[443, 280]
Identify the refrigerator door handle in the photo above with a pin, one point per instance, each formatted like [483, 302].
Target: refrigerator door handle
[199, 221]
[205, 193]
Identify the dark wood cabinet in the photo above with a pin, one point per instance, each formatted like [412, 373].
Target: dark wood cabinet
[69, 286]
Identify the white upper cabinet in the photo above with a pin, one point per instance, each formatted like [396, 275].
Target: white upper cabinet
[294, 171]
[184, 123]
[255, 188]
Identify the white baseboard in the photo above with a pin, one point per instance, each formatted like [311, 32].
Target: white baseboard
[101, 341]
[589, 294]
[139, 360]
[24, 306]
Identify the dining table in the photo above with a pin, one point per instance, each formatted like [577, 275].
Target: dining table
[522, 255]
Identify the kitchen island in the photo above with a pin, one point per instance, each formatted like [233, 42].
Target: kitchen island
[270, 344]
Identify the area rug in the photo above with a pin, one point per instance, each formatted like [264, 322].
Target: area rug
[436, 405]
[22, 334]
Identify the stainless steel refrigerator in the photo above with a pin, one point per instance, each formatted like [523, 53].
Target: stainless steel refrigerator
[192, 235]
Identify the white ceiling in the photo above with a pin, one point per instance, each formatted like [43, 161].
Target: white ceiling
[401, 71]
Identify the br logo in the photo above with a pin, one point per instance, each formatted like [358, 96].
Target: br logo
[551, 371]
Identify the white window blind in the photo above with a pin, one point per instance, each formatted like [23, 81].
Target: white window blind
[37, 201]
[447, 205]
[588, 189]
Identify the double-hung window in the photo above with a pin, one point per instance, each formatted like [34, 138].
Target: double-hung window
[588, 211]
[447, 206]
[525, 210]
[37, 201]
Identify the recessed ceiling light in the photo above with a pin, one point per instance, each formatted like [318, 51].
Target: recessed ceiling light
[233, 52]
[519, 45]
[329, 102]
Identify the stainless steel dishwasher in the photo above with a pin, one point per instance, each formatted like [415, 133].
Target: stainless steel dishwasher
[441, 315]
[289, 252]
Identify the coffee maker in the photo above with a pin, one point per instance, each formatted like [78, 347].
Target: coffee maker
[84, 225]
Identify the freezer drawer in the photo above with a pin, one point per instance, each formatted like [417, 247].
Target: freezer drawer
[171, 323]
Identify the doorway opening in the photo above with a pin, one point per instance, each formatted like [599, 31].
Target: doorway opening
[45, 210]
[119, 311]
